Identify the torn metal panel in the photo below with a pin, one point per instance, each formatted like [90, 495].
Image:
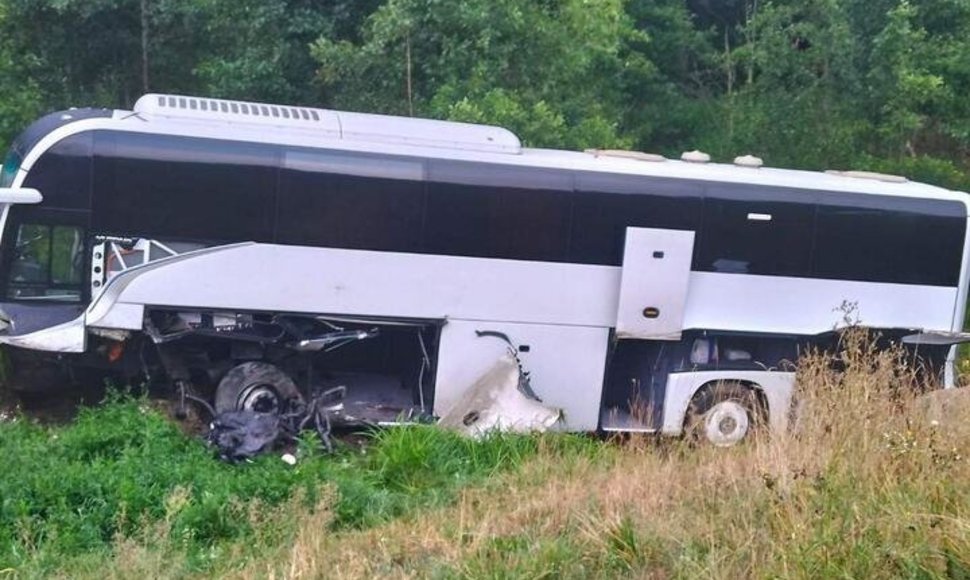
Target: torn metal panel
[566, 365]
[498, 401]
[70, 336]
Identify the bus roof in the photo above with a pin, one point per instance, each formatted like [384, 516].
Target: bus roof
[426, 138]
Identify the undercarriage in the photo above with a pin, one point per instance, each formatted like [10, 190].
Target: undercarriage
[383, 370]
[371, 372]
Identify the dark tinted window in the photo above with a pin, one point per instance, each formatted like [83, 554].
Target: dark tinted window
[907, 241]
[512, 213]
[177, 187]
[756, 230]
[336, 200]
[608, 204]
[63, 173]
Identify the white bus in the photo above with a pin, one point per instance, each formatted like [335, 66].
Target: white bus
[230, 247]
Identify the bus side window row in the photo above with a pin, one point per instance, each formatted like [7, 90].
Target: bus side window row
[830, 241]
[186, 188]
[735, 236]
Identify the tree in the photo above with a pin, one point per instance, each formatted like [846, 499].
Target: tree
[109, 52]
[19, 93]
[551, 71]
[99, 52]
[796, 104]
[260, 49]
[673, 80]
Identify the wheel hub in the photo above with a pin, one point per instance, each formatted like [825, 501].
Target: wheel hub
[726, 424]
[261, 399]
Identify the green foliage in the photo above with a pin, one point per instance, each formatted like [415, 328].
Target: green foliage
[812, 84]
[548, 71]
[900, 79]
[836, 83]
[123, 467]
[56, 54]
[73, 489]
[925, 168]
[20, 94]
[267, 59]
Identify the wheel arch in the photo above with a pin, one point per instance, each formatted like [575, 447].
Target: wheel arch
[756, 389]
[773, 390]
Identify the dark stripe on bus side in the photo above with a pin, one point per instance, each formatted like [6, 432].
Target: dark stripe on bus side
[220, 191]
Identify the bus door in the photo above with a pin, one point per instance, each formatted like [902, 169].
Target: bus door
[649, 323]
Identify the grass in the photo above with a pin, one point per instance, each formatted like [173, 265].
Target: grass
[123, 472]
[874, 482]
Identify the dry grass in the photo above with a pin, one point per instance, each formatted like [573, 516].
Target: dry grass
[873, 483]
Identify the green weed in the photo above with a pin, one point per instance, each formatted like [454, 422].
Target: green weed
[123, 468]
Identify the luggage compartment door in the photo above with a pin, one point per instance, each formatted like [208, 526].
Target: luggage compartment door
[654, 283]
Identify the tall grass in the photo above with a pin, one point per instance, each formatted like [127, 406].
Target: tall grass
[874, 482]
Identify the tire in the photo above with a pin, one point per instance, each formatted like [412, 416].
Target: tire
[256, 386]
[724, 414]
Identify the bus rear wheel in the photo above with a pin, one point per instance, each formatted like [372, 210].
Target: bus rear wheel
[256, 386]
[724, 415]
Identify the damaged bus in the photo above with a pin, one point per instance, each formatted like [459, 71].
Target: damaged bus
[257, 254]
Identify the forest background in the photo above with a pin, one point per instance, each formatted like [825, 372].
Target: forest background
[863, 84]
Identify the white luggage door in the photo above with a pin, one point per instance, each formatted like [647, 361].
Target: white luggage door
[654, 283]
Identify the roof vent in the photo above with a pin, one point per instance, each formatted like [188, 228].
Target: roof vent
[623, 154]
[335, 124]
[869, 175]
[748, 161]
[695, 156]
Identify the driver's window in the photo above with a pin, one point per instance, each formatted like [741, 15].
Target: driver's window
[32, 255]
[47, 263]
[67, 243]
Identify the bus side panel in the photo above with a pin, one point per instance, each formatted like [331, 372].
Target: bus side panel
[566, 364]
[275, 278]
[782, 305]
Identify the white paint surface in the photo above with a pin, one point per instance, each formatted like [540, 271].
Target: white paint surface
[361, 283]
[268, 277]
[656, 269]
[217, 128]
[20, 195]
[774, 304]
